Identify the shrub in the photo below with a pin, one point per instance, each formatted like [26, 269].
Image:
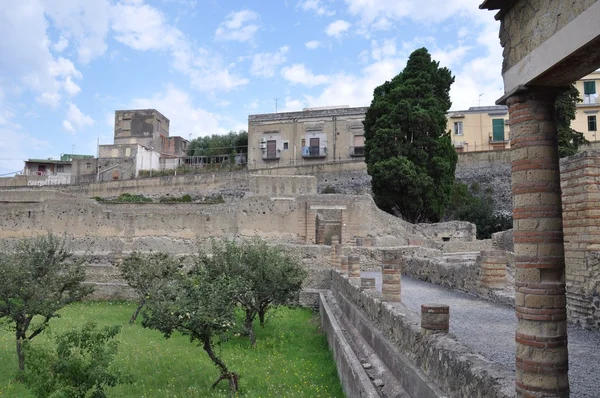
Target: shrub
[80, 363]
[329, 190]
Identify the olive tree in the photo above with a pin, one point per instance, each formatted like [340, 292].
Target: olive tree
[81, 362]
[37, 278]
[195, 304]
[266, 276]
[143, 272]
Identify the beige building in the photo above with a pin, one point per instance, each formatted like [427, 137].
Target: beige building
[480, 128]
[310, 136]
[588, 111]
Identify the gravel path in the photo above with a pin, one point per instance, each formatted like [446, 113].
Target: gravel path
[489, 329]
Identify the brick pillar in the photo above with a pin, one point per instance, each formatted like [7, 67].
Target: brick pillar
[367, 283]
[354, 270]
[435, 318]
[344, 265]
[492, 270]
[541, 338]
[336, 251]
[391, 268]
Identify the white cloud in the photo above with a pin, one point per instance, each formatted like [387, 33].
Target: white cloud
[86, 23]
[316, 6]
[186, 118]
[75, 120]
[61, 44]
[49, 99]
[264, 64]
[313, 44]
[337, 28]
[384, 49]
[144, 28]
[70, 87]
[238, 26]
[298, 74]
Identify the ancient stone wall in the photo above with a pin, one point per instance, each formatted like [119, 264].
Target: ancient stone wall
[446, 362]
[530, 23]
[580, 184]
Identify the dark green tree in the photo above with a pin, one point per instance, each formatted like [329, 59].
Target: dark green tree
[197, 305]
[38, 278]
[144, 272]
[265, 276]
[81, 362]
[565, 108]
[408, 151]
[219, 144]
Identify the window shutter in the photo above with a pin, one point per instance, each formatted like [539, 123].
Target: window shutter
[589, 87]
[498, 129]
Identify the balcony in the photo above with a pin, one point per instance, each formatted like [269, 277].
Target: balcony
[312, 152]
[356, 151]
[590, 100]
[271, 156]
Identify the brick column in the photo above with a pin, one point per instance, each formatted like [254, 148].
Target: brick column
[336, 251]
[541, 338]
[492, 270]
[435, 318]
[344, 265]
[354, 270]
[391, 267]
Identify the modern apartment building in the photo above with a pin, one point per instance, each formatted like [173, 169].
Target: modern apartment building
[310, 136]
[588, 111]
[479, 128]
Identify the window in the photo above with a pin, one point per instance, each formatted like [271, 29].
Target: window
[285, 146]
[60, 168]
[589, 87]
[88, 166]
[592, 123]
[497, 129]
[458, 128]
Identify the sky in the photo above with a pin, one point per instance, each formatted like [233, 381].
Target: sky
[67, 65]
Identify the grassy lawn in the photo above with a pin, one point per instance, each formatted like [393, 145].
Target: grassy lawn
[291, 358]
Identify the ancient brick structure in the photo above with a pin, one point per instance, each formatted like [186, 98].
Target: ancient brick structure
[354, 270]
[391, 268]
[492, 272]
[344, 265]
[435, 318]
[580, 180]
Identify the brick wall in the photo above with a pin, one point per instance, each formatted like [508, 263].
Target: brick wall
[580, 184]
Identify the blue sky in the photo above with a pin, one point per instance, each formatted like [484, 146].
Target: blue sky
[67, 65]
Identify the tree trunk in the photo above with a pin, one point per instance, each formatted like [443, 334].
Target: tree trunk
[137, 311]
[261, 315]
[225, 373]
[249, 328]
[20, 338]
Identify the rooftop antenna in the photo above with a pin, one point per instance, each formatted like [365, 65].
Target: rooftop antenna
[73, 148]
[276, 105]
[480, 99]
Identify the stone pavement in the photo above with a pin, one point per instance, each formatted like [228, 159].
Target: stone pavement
[489, 329]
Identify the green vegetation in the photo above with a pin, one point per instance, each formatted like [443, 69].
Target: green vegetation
[291, 358]
[80, 363]
[565, 108]
[145, 272]
[407, 149]
[263, 277]
[176, 199]
[329, 190]
[469, 204]
[125, 198]
[37, 279]
[215, 144]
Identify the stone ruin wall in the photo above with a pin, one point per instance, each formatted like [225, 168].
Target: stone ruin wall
[530, 23]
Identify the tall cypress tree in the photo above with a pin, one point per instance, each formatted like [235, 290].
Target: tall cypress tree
[408, 151]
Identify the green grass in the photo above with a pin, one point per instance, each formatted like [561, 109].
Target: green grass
[291, 358]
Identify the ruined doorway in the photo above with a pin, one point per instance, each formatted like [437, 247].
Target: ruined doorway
[271, 149]
[328, 227]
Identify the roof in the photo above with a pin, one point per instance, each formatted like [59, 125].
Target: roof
[66, 157]
[49, 161]
[482, 109]
[502, 5]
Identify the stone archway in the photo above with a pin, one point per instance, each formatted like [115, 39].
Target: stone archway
[548, 44]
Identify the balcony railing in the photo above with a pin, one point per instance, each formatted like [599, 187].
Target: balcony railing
[590, 99]
[271, 156]
[357, 151]
[314, 152]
